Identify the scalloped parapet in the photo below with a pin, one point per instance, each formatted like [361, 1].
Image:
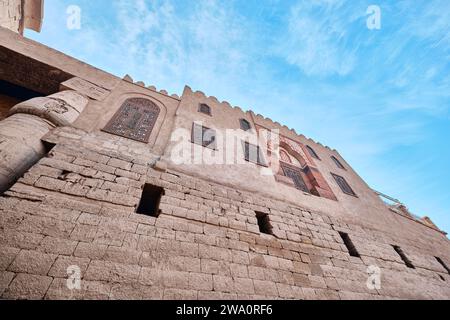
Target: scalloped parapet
[128, 78]
[289, 132]
[142, 84]
[214, 99]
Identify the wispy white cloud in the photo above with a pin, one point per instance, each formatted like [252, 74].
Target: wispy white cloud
[317, 36]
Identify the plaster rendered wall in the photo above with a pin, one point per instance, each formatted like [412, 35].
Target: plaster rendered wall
[365, 210]
[99, 113]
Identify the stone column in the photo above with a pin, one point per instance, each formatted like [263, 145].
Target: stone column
[20, 134]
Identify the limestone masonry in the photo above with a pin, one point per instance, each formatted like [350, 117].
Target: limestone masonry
[104, 196]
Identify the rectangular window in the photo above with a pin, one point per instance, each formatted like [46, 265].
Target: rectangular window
[403, 256]
[204, 136]
[253, 154]
[264, 222]
[443, 264]
[349, 244]
[150, 199]
[342, 183]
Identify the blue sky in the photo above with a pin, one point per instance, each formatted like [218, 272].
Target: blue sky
[380, 97]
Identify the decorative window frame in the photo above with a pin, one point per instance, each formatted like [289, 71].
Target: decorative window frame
[301, 171]
[109, 127]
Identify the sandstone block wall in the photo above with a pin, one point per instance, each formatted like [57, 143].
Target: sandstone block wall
[6, 103]
[11, 14]
[77, 207]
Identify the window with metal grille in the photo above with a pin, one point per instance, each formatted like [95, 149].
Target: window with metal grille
[443, 264]
[342, 183]
[204, 136]
[296, 175]
[245, 125]
[204, 108]
[349, 244]
[253, 154]
[312, 152]
[337, 162]
[134, 120]
[264, 222]
[402, 255]
[150, 199]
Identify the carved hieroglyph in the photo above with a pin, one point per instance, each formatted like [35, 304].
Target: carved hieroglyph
[87, 88]
[20, 134]
[19, 14]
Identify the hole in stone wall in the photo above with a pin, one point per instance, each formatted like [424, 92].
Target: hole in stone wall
[404, 257]
[63, 175]
[150, 199]
[48, 146]
[443, 264]
[349, 244]
[264, 222]
[442, 278]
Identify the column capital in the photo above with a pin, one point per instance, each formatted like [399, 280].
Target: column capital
[61, 108]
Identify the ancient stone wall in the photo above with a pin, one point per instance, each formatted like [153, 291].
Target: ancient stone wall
[16, 15]
[75, 210]
[76, 207]
[6, 103]
[11, 14]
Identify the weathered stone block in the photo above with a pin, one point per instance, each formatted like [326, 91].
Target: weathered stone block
[223, 283]
[265, 288]
[90, 250]
[58, 246]
[61, 266]
[244, 285]
[177, 294]
[8, 254]
[200, 281]
[5, 280]
[32, 262]
[122, 255]
[27, 286]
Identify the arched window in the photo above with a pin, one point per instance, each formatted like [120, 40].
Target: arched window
[204, 108]
[134, 120]
[343, 184]
[297, 176]
[245, 125]
[312, 152]
[337, 162]
[291, 168]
